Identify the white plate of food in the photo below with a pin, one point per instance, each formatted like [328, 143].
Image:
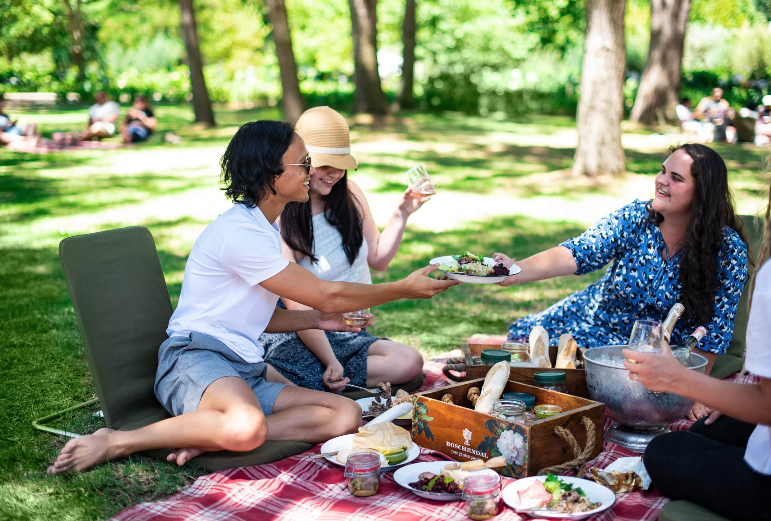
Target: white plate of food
[367, 414]
[345, 442]
[421, 474]
[579, 498]
[474, 269]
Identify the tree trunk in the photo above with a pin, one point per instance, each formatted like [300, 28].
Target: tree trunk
[601, 105]
[201, 101]
[75, 18]
[660, 82]
[406, 99]
[369, 93]
[291, 100]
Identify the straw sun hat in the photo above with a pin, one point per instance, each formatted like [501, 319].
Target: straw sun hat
[326, 137]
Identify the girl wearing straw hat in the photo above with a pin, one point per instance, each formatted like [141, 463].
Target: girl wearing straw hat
[334, 236]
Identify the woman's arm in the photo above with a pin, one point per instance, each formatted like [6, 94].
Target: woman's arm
[662, 372]
[383, 245]
[554, 262]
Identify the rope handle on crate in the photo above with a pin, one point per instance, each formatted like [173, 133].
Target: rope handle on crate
[581, 455]
[454, 364]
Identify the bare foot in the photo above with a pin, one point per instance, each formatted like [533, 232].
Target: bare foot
[183, 456]
[83, 453]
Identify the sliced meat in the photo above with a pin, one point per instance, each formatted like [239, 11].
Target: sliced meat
[536, 495]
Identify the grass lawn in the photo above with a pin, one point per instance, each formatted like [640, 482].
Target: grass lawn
[502, 187]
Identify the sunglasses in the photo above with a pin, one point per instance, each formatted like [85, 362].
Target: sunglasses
[307, 164]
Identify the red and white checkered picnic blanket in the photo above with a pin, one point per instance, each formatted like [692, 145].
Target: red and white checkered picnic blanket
[299, 489]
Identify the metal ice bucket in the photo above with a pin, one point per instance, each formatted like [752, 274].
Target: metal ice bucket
[628, 401]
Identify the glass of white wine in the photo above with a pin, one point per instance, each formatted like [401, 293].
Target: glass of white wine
[646, 337]
[418, 178]
[357, 318]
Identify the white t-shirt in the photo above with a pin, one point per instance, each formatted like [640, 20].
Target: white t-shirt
[683, 113]
[98, 112]
[758, 361]
[221, 296]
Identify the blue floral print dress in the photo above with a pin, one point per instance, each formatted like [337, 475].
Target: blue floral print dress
[639, 284]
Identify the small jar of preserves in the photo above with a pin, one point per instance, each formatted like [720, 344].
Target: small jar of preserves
[362, 470]
[520, 355]
[552, 380]
[510, 410]
[493, 356]
[482, 495]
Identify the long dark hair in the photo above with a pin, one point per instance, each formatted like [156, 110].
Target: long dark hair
[341, 210]
[712, 210]
[253, 160]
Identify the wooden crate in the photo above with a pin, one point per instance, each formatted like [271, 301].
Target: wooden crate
[464, 434]
[576, 378]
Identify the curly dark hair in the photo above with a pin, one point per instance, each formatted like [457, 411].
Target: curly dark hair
[711, 212]
[253, 160]
[341, 209]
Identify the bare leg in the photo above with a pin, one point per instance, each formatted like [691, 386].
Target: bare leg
[275, 376]
[394, 362]
[229, 417]
[312, 416]
[300, 415]
[94, 132]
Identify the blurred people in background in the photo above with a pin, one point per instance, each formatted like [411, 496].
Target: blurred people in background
[716, 114]
[12, 134]
[102, 118]
[140, 122]
[692, 128]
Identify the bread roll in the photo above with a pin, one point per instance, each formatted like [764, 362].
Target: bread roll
[495, 383]
[566, 352]
[539, 347]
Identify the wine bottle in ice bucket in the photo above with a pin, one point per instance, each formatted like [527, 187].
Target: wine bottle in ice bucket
[669, 323]
[683, 353]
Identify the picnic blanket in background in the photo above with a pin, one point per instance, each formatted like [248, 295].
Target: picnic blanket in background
[46, 146]
[299, 489]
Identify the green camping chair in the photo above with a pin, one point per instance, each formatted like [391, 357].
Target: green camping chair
[731, 362]
[123, 307]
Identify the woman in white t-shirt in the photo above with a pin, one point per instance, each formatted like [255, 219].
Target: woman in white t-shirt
[722, 463]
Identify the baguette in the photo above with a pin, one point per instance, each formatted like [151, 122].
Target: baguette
[495, 383]
[539, 347]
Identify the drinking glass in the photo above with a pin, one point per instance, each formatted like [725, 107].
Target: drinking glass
[357, 318]
[647, 336]
[418, 178]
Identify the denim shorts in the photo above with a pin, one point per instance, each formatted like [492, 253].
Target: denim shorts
[187, 366]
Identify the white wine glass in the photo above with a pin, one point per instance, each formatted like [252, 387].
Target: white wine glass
[647, 336]
[358, 318]
[418, 178]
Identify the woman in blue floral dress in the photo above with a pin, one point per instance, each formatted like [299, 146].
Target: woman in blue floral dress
[686, 245]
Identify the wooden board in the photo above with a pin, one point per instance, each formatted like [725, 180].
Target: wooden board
[575, 378]
[464, 434]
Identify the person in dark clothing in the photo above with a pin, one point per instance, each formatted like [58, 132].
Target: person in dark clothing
[140, 122]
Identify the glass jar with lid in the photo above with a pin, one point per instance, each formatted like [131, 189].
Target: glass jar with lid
[493, 356]
[362, 470]
[510, 410]
[552, 380]
[520, 353]
[482, 495]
